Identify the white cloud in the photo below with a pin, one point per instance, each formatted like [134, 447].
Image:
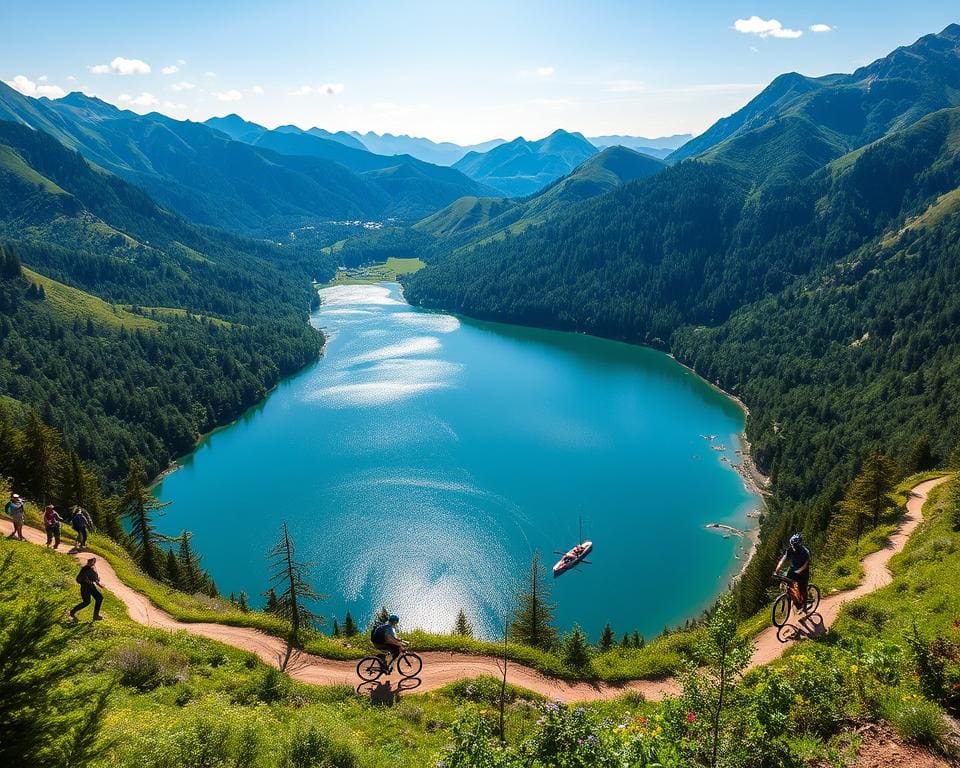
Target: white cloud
[209, 74]
[27, 87]
[122, 66]
[545, 71]
[625, 86]
[183, 85]
[145, 99]
[182, 62]
[327, 89]
[231, 95]
[171, 70]
[257, 90]
[765, 28]
[43, 78]
[171, 105]
[821, 28]
[71, 79]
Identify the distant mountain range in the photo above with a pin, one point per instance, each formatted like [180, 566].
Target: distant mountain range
[265, 184]
[519, 168]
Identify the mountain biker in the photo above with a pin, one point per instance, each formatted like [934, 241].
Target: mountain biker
[799, 571]
[386, 640]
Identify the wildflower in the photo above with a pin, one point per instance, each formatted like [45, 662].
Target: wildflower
[854, 669]
[691, 717]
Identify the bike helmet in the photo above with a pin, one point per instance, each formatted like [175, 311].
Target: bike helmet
[796, 540]
[393, 617]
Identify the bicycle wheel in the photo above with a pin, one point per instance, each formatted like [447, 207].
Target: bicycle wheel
[781, 610]
[813, 598]
[409, 665]
[369, 668]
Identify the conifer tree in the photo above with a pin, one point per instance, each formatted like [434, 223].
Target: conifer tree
[174, 576]
[294, 592]
[382, 617]
[192, 576]
[625, 641]
[242, 602]
[637, 640]
[463, 627]
[920, 457]
[576, 650]
[271, 605]
[349, 626]
[532, 618]
[39, 459]
[335, 628]
[139, 507]
[607, 640]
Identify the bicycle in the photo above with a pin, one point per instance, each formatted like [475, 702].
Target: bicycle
[789, 598]
[370, 668]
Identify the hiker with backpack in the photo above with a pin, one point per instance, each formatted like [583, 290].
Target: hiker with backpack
[89, 581]
[51, 524]
[14, 508]
[81, 523]
[385, 639]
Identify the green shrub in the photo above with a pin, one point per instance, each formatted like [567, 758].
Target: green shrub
[144, 664]
[916, 719]
[308, 747]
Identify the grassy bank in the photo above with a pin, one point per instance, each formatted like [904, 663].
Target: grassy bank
[387, 271]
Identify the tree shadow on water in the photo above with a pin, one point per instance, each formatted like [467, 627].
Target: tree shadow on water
[805, 627]
[384, 693]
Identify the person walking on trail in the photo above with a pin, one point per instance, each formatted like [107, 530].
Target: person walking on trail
[14, 509]
[799, 557]
[386, 640]
[89, 581]
[82, 524]
[51, 523]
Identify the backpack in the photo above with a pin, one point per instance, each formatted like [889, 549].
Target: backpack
[378, 634]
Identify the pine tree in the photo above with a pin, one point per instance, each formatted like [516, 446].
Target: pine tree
[138, 507]
[294, 591]
[242, 602]
[607, 640]
[349, 626]
[271, 605]
[637, 640]
[625, 641]
[920, 457]
[335, 628]
[39, 459]
[382, 617]
[463, 627]
[192, 576]
[865, 499]
[532, 619]
[640, 642]
[576, 650]
[174, 575]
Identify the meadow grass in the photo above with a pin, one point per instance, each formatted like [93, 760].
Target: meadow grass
[384, 272]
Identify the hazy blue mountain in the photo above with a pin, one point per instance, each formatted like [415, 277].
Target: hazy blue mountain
[206, 175]
[340, 137]
[847, 111]
[520, 167]
[439, 153]
[475, 220]
[236, 128]
[658, 147]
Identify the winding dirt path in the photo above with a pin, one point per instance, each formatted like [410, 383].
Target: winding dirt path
[441, 668]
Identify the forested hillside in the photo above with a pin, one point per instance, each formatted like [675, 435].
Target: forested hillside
[134, 331]
[818, 287]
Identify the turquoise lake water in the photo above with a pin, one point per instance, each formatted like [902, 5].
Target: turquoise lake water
[424, 458]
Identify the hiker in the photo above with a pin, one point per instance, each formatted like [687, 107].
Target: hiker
[81, 523]
[51, 523]
[14, 509]
[89, 581]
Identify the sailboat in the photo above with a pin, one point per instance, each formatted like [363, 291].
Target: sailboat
[574, 556]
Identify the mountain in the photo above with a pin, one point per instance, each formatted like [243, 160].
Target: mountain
[439, 153]
[341, 137]
[845, 111]
[520, 167]
[236, 128]
[659, 147]
[203, 322]
[204, 174]
[484, 218]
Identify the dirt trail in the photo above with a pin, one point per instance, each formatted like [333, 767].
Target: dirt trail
[441, 668]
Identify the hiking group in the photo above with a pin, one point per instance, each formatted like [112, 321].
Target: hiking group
[87, 578]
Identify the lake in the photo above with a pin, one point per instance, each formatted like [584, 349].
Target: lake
[421, 461]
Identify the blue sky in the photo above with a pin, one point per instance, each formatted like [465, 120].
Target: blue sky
[450, 71]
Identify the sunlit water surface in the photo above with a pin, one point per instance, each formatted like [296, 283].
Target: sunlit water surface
[424, 458]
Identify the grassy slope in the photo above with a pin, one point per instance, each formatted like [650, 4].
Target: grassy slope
[74, 303]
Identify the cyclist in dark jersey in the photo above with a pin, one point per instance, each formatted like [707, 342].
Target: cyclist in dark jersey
[799, 557]
[386, 640]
